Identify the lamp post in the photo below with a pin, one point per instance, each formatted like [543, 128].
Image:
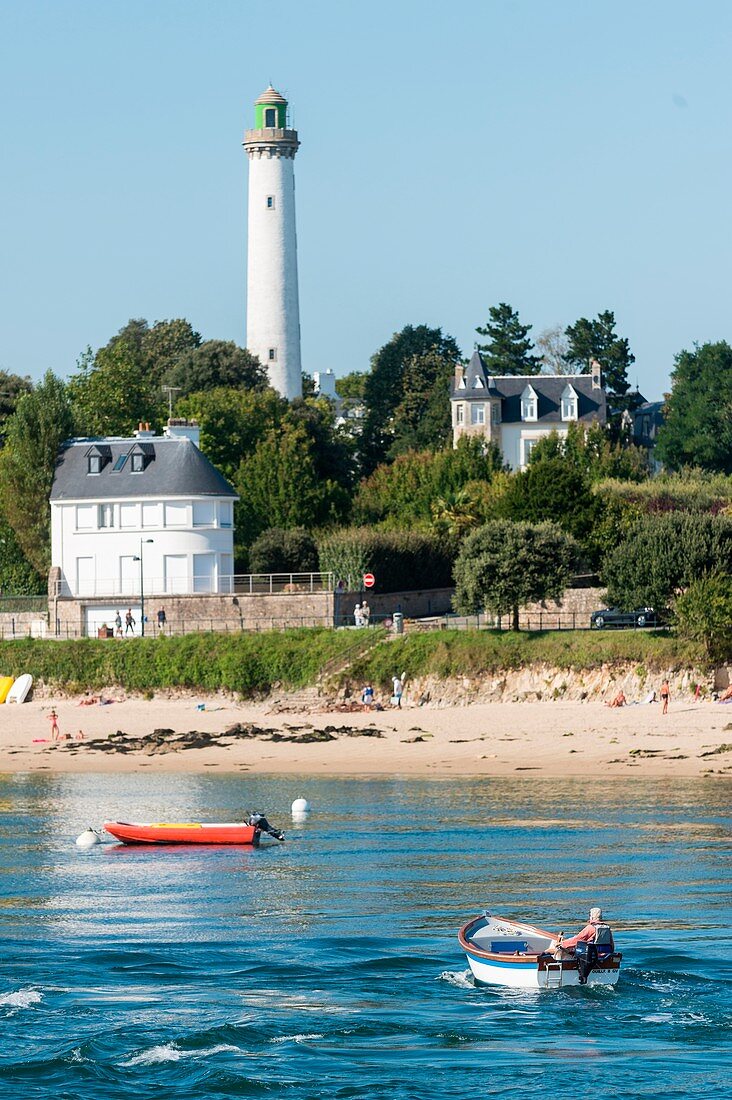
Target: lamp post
[142, 588]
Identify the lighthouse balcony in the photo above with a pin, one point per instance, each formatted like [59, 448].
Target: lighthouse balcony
[271, 136]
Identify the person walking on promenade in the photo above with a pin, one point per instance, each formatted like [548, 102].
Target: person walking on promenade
[162, 619]
[118, 625]
[665, 696]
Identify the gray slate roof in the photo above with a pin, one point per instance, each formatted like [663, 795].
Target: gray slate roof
[172, 468]
[591, 403]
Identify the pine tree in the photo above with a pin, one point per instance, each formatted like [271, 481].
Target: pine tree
[598, 340]
[508, 350]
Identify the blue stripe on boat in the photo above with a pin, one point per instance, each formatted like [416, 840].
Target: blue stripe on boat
[497, 962]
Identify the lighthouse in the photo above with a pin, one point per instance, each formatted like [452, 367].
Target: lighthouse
[273, 310]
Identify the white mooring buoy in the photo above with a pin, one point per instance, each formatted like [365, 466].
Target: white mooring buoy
[300, 810]
[88, 838]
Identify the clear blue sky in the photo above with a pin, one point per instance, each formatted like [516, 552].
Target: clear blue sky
[565, 157]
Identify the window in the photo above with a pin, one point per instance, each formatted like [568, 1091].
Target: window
[225, 514]
[569, 404]
[529, 445]
[94, 464]
[128, 515]
[151, 514]
[272, 355]
[477, 414]
[203, 513]
[459, 414]
[106, 515]
[119, 464]
[478, 383]
[528, 404]
[176, 515]
[84, 517]
[270, 117]
[462, 384]
[137, 462]
[270, 202]
[495, 413]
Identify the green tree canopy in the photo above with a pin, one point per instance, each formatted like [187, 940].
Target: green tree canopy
[508, 347]
[698, 416]
[384, 386]
[279, 486]
[422, 418]
[662, 555]
[597, 339]
[352, 386]
[112, 392]
[17, 575]
[34, 434]
[232, 422]
[399, 560]
[504, 565]
[592, 452]
[404, 492]
[12, 387]
[213, 364]
[550, 490]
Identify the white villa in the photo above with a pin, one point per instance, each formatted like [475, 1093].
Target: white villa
[145, 514]
[516, 411]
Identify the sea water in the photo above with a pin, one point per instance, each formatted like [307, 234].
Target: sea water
[328, 966]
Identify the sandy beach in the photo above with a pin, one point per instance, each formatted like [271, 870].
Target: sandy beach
[529, 739]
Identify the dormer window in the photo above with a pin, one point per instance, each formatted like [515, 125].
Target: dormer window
[569, 403]
[97, 457]
[462, 384]
[137, 462]
[478, 383]
[528, 404]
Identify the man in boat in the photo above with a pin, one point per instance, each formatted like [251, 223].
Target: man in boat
[593, 942]
[260, 823]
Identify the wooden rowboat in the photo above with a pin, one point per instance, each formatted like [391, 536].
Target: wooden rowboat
[164, 832]
[509, 953]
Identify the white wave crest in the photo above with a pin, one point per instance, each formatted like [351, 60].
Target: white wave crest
[169, 1052]
[300, 1038]
[462, 979]
[22, 998]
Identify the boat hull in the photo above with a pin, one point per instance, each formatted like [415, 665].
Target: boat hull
[516, 956]
[181, 833]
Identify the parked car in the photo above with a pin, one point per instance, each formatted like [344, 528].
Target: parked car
[614, 617]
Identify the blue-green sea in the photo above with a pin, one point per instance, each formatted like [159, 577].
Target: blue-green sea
[328, 967]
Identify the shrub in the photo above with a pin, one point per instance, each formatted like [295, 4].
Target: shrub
[400, 560]
[284, 551]
[663, 555]
[704, 615]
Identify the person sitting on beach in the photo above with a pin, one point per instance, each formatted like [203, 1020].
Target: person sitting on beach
[726, 696]
[619, 700]
[88, 700]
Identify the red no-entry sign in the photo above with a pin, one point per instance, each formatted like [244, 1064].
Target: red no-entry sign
[369, 580]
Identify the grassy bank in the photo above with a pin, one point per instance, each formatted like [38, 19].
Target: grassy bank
[245, 663]
[452, 653]
[250, 664]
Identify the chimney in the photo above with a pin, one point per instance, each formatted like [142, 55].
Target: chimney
[183, 429]
[459, 375]
[144, 431]
[596, 372]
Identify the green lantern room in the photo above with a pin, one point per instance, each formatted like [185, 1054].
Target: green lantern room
[270, 111]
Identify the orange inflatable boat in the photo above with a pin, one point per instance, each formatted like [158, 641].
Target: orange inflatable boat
[164, 832]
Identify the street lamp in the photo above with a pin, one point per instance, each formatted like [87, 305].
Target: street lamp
[142, 588]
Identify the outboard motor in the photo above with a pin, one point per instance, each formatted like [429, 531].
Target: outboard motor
[260, 823]
[586, 955]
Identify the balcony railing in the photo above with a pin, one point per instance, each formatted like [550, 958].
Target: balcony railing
[244, 584]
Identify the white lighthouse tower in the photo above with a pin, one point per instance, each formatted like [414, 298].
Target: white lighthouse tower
[273, 309]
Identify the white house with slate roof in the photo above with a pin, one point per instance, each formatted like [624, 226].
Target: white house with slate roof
[516, 411]
[148, 508]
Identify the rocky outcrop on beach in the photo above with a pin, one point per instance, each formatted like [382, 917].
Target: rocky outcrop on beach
[167, 740]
